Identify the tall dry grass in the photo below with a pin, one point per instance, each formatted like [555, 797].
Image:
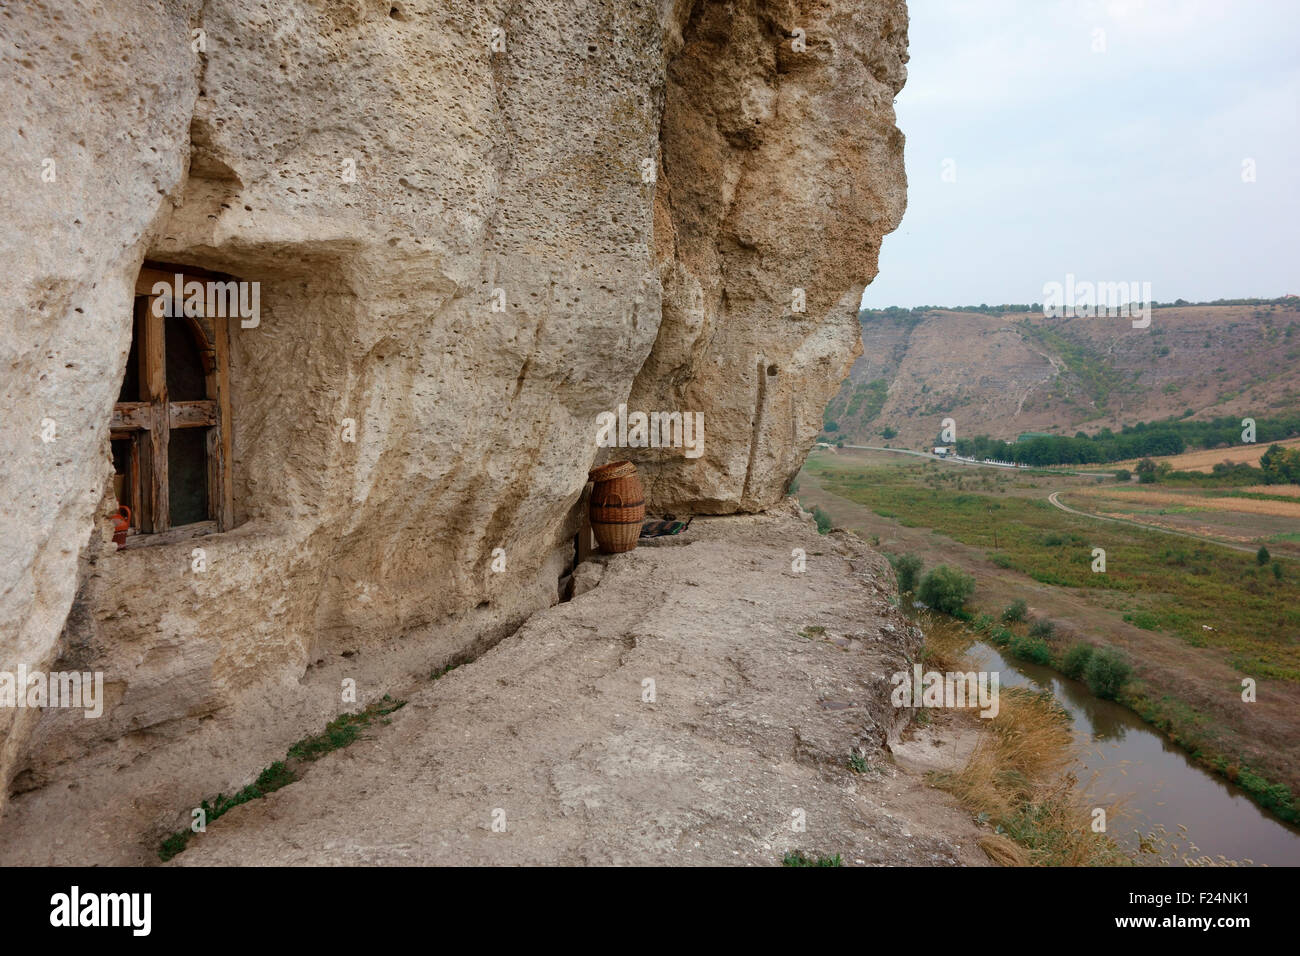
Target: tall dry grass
[1020, 782]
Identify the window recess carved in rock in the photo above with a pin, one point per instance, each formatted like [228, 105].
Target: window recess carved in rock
[170, 431]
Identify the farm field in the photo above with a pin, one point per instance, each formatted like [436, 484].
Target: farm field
[1255, 516]
[1204, 459]
[1193, 617]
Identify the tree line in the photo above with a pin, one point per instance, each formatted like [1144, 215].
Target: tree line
[916, 313]
[1143, 440]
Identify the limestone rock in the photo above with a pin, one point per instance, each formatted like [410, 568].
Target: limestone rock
[389, 172]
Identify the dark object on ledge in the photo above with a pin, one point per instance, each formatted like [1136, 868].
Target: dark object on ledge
[658, 529]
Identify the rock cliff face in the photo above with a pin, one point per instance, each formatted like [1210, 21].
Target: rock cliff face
[475, 226]
[781, 171]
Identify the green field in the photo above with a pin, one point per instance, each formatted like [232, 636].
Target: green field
[1192, 617]
[1161, 582]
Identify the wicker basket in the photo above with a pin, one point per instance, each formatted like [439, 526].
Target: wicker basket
[617, 506]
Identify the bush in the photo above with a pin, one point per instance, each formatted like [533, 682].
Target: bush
[1262, 556]
[1001, 636]
[1031, 649]
[1277, 570]
[1076, 661]
[1123, 474]
[1042, 629]
[824, 523]
[946, 589]
[907, 567]
[1015, 612]
[984, 623]
[1107, 673]
[1144, 619]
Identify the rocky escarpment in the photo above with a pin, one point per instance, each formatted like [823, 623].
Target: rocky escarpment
[1004, 374]
[459, 252]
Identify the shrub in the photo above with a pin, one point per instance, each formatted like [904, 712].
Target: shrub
[1262, 556]
[1031, 649]
[1144, 619]
[1001, 636]
[824, 523]
[984, 623]
[1076, 661]
[1107, 673]
[1014, 612]
[1123, 474]
[907, 568]
[1277, 570]
[946, 589]
[1042, 629]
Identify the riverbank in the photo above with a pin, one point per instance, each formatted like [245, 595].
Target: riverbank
[1189, 684]
[1162, 807]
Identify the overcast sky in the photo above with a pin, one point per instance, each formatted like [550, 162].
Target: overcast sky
[1119, 165]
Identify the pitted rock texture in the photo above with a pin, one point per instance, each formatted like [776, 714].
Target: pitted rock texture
[781, 169]
[497, 151]
[698, 706]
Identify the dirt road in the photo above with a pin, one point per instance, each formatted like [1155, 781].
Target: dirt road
[1055, 502]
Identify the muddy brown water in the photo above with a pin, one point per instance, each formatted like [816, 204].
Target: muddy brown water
[1155, 780]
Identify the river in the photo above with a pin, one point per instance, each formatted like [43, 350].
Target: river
[1156, 781]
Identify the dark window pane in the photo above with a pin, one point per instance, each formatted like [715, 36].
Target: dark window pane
[187, 474]
[185, 378]
[131, 380]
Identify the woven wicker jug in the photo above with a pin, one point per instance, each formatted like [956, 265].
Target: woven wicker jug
[617, 506]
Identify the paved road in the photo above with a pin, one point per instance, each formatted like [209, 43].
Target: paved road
[978, 464]
[1053, 500]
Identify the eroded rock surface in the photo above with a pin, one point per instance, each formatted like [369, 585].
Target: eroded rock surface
[781, 171]
[481, 175]
[686, 710]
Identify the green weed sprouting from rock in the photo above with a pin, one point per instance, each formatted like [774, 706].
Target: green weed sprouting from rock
[799, 858]
[338, 733]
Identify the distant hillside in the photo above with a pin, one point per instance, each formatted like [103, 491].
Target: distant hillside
[1006, 373]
